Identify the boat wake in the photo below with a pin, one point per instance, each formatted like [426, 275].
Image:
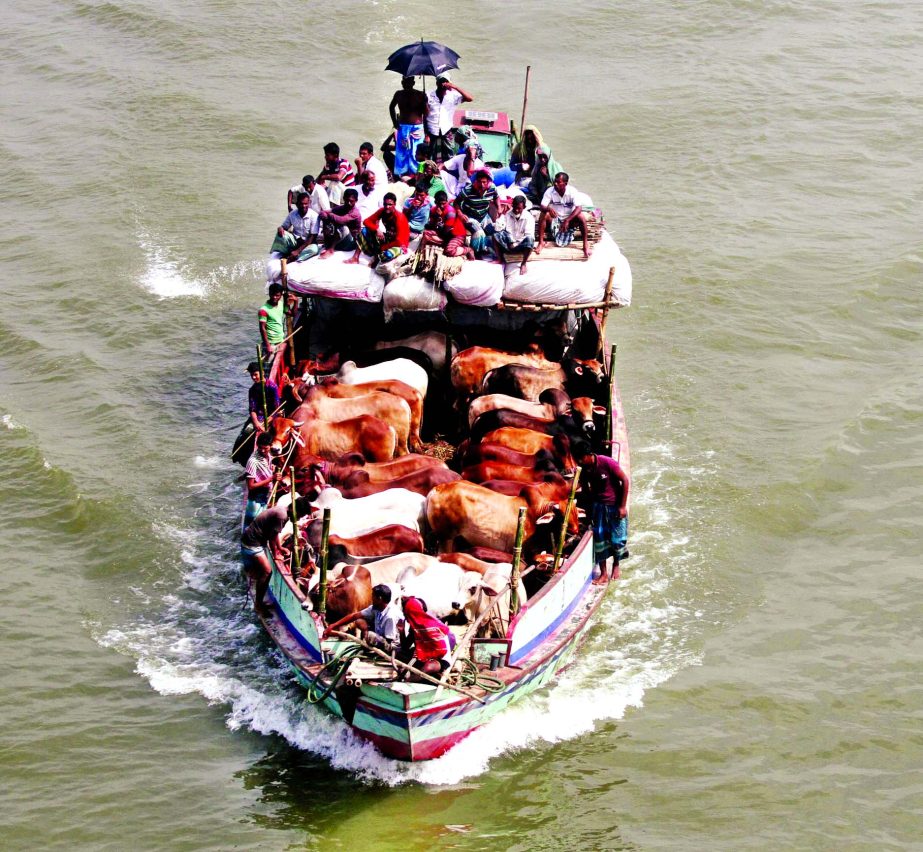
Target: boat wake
[170, 278]
[205, 640]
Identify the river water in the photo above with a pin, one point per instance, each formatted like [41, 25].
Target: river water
[754, 680]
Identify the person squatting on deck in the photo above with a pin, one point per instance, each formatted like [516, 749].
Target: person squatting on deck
[441, 104]
[606, 486]
[432, 640]
[408, 109]
[515, 231]
[271, 317]
[262, 534]
[385, 235]
[560, 213]
[377, 623]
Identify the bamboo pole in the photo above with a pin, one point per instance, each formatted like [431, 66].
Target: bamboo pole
[324, 553]
[607, 439]
[525, 101]
[296, 554]
[605, 319]
[408, 668]
[283, 271]
[568, 508]
[259, 359]
[517, 557]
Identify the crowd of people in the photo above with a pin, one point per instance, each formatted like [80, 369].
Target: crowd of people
[443, 192]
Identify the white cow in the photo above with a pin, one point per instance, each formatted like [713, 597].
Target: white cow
[430, 343]
[349, 518]
[444, 587]
[402, 369]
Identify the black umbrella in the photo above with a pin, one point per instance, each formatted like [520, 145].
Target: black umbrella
[422, 57]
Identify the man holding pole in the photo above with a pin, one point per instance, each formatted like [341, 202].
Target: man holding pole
[606, 488]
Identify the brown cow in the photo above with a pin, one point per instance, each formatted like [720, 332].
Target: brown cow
[421, 481]
[551, 485]
[346, 594]
[385, 406]
[371, 437]
[386, 541]
[471, 365]
[481, 516]
[410, 395]
[338, 472]
[488, 451]
[530, 441]
[502, 470]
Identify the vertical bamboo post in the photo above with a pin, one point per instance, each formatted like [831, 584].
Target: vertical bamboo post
[283, 272]
[525, 101]
[568, 508]
[606, 299]
[296, 553]
[517, 558]
[259, 360]
[322, 586]
[607, 437]
[290, 338]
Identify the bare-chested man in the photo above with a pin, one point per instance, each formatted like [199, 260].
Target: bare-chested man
[408, 109]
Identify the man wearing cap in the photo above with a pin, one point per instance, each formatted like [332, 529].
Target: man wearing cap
[441, 104]
[407, 108]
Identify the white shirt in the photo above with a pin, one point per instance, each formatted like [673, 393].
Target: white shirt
[319, 199]
[377, 167]
[456, 166]
[518, 227]
[302, 226]
[368, 204]
[440, 118]
[563, 205]
[384, 622]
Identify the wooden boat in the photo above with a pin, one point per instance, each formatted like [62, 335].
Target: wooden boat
[417, 718]
[421, 720]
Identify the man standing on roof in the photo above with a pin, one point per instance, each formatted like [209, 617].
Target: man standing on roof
[441, 104]
[337, 173]
[408, 109]
[606, 486]
[368, 162]
[272, 319]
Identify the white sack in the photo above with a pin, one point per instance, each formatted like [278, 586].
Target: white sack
[412, 293]
[479, 283]
[331, 277]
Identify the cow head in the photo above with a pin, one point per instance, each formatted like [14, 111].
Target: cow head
[282, 430]
[584, 412]
[561, 447]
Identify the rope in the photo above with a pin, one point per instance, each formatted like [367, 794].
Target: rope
[336, 667]
[469, 676]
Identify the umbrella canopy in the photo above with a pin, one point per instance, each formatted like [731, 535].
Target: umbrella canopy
[422, 57]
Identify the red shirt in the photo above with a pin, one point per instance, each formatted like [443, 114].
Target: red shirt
[402, 226]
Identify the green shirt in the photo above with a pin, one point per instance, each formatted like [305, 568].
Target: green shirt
[274, 317]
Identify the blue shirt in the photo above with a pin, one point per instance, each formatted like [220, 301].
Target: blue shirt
[418, 216]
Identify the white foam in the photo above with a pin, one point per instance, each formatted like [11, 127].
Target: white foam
[8, 421]
[164, 276]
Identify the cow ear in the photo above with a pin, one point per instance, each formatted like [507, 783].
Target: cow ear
[547, 518]
[599, 409]
[581, 513]
[578, 370]
[490, 592]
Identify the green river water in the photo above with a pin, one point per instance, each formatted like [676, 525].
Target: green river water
[754, 680]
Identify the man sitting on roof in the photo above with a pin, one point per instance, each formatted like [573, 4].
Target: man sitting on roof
[368, 162]
[296, 237]
[385, 235]
[440, 116]
[341, 224]
[370, 195]
[515, 231]
[429, 179]
[560, 212]
[457, 172]
[407, 108]
[319, 199]
[416, 209]
[476, 206]
[445, 229]
[337, 173]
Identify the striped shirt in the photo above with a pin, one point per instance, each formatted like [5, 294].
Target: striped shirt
[336, 168]
[474, 205]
